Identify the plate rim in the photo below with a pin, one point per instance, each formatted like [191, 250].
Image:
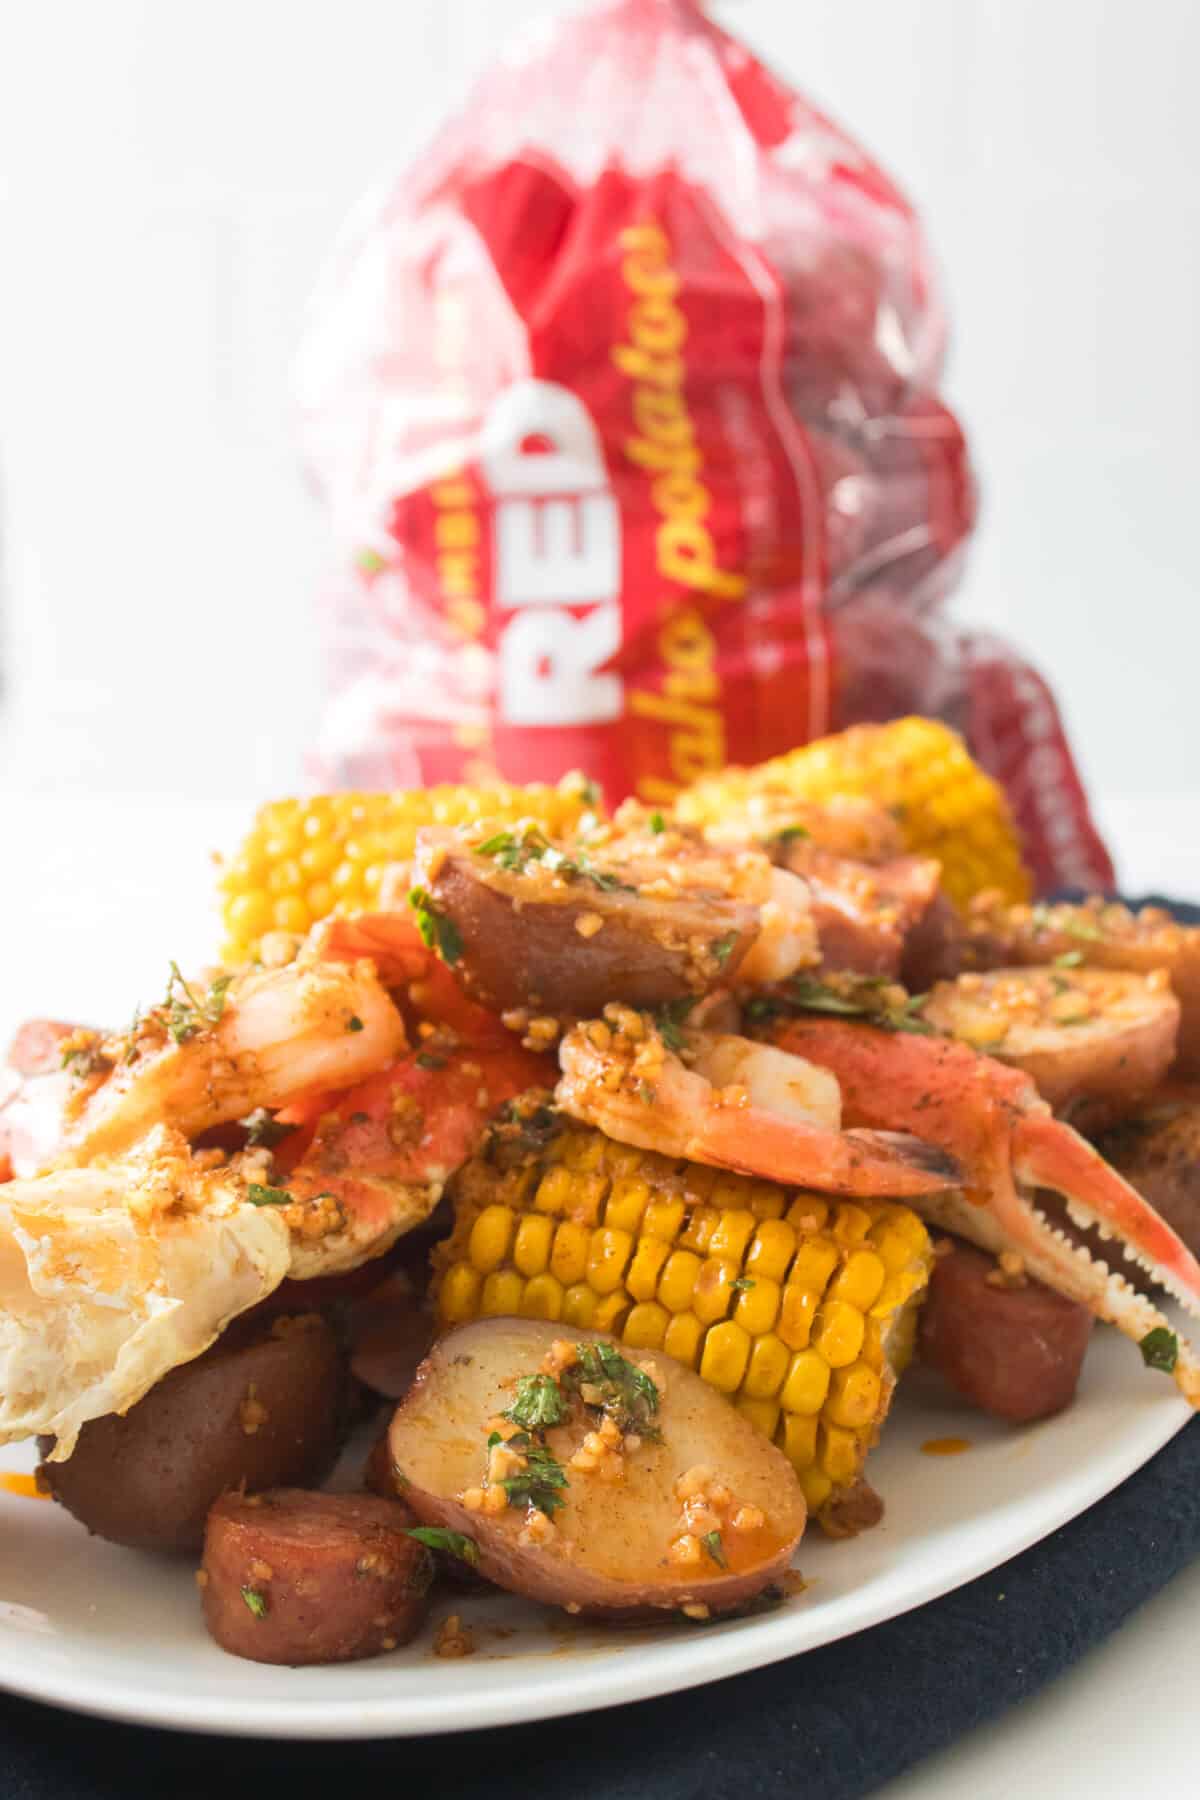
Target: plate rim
[599, 1680]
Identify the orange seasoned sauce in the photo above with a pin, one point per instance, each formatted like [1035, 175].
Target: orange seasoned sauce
[24, 1485]
[947, 1446]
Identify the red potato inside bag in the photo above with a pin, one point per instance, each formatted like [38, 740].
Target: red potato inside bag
[624, 403]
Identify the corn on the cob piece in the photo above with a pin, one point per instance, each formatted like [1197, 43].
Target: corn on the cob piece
[800, 1308]
[920, 771]
[305, 859]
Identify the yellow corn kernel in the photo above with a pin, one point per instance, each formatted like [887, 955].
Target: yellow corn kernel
[531, 1246]
[642, 1276]
[808, 1213]
[610, 1313]
[853, 1396]
[859, 1281]
[896, 1244]
[458, 1295]
[491, 1236]
[542, 1299]
[554, 1189]
[769, 1359]
[838, 1333]
[714, 1290]
[797, 1310]
[733, 1232]
[502, 1291]
[683, 1337]
[585, 1154]
[768, 1200]
[837, 1452]
[725, 1355]
[797, 1438]
[771, 1250]
[626, 1204]
[663, 1219]
[898, 1289]
[851, 1224]
[646, 1326]
[817, 1487]
[609, 1253]
[698, 1229]
[579, 1306]
[678, 1281]
[762, 1414]
[807, 1383]
[813, 1265]
[569, 1256]
[757, 1306]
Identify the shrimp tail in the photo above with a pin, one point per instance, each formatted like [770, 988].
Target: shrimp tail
[873, 1164]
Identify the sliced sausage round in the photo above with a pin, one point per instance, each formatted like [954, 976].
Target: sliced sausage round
[1012, 1350]
[294, 1577]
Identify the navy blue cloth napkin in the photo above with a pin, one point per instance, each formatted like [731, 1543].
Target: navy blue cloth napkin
[834, 1724]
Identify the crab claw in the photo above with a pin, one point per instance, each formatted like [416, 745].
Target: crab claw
[1010, 1145]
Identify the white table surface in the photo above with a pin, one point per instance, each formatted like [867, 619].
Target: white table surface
[98, 892]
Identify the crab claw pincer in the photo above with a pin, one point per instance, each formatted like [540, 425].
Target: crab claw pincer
[1009, 1143]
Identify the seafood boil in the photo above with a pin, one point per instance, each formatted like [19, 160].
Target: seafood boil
[606, 1171]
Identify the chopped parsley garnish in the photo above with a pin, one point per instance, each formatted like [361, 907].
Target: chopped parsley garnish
[256, 1602]
[1070, 959]
[455, 1543]
[258, 1195]
[657, 824]
[84, 1060]
[869, 997]
[742, 1285]
[789, 833]
[261, 1128]
[182, 1014]
[722, 948]
[539, 1403]
[669, 1020]
[426, 1060]
[370, 562]
[538, 1483]
[712, 1543]
[354, 1023]
[605, 1379]
[437, 931]
[1043, 919]
[1160, 1349]
[515, 850]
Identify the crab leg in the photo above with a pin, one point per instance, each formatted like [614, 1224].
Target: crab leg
[1010, 1144]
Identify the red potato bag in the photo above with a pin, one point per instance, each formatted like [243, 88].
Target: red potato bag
[623, 400]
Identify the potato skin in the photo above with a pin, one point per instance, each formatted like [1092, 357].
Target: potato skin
[610, 1553]
[535, 957]
[294, 1577]
[148, 1478]
[1015, 1352]
[1158, 1152]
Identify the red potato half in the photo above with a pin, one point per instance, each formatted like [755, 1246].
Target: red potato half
[522, 946]
[1157, 1150]
[609, 1553]
[1094, 1042]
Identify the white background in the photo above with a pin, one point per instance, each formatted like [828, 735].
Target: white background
[170, 178]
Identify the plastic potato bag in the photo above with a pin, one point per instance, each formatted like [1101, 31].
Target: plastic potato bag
[623, 400]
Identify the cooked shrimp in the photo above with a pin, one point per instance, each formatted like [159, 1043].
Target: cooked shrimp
[990, 1118]
[206, 1057]
[771, 1115]
[112, 1275]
